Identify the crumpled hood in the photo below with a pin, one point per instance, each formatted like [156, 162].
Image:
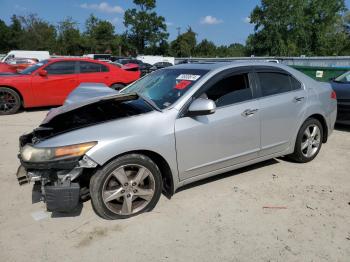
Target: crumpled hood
[87, 113]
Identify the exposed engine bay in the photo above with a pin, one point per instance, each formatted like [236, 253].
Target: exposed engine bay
[63, 181]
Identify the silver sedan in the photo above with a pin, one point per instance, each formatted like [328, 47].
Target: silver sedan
[173, 127]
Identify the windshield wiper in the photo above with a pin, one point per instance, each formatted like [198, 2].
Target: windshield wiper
[149, 101]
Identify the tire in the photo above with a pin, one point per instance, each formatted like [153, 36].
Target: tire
[307, 147]
[10, 101]
[131, 178]
[117, 86]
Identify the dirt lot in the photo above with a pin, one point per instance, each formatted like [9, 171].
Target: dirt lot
[220, 219]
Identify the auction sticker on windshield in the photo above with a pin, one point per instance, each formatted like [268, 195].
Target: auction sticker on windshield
[188, 77]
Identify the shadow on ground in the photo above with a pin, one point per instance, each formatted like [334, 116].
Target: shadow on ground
[344, 128]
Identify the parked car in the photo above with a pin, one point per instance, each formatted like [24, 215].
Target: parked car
[161, 65]
[341, 85]
[39, 55]
[171, 128]
[144, 67]
[6, 68]
[20, 64]
[48, 82]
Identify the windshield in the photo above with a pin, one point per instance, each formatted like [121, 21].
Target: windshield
[344, 77]
[165, 87]
[34, 67]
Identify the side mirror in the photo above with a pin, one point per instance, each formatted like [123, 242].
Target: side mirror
[42, 73]
[201, 107]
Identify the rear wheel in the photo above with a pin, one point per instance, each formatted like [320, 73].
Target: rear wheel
[10, 101]
[125, 187]
[117, 86]
[309, 141]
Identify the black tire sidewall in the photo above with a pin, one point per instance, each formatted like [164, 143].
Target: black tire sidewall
[98, 179]
[17, 98]
[298, 155]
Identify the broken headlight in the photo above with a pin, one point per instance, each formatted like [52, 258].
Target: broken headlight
[40, 154]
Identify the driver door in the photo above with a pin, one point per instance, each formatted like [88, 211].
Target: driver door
[208, 144]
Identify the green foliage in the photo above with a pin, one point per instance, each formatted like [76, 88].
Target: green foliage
[99, 35]
[282, 28]
[297, 27]
[5, 36]
[184, 45]
[37, 34]
[69, 38]
[145, 29]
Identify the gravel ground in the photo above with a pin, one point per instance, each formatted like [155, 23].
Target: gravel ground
[219, 219]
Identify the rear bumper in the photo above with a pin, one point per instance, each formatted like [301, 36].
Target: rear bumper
[343, 116]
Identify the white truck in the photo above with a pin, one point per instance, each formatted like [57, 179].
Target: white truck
[40, 55]
[151, 59]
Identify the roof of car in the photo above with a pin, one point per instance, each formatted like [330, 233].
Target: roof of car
[74, 59]
[217, 65]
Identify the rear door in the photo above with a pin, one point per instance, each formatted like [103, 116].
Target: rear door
[231, 135]
[53, 89]
[282, 105]
[94, 72]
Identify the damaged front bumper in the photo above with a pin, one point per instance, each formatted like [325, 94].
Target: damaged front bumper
[56, 181]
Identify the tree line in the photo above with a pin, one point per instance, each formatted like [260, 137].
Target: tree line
[281, 28]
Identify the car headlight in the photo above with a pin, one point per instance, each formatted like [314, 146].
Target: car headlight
[40, 154]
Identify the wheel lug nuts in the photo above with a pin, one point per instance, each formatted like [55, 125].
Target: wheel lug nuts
[123, 191]
[126, 184]
[128, 195]
[134, 184]
[135, 190]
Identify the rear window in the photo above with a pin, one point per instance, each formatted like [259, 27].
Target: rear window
[273, 83]
[89, 67]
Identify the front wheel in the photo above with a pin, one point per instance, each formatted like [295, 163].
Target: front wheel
[309, 141]
[10, 101]
[125, 187]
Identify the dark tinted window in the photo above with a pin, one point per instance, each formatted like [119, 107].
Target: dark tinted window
[61, 68]
[230, 90]
[88, 67]
[295, 83]
[274, 83]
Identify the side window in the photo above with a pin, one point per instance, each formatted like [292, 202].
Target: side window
[61, 68]
[295, 83]
[273, 83]
[88, 67]
[230, 90]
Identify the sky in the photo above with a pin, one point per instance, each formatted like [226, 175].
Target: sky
[221, 21]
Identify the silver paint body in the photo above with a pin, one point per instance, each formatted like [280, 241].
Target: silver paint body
[203, 146]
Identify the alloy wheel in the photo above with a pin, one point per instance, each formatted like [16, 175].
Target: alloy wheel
[128, 189]
[7, 101]
[311, 141]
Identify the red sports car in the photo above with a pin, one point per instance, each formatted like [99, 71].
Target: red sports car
[49, 82]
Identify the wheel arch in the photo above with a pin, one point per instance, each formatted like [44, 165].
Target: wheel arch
[165, 170]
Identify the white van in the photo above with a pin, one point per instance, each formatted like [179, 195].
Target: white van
[152, 59]
[40, 55]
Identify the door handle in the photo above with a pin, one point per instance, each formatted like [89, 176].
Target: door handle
[298, 98]
[249, 112]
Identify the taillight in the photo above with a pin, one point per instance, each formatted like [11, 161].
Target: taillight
[334, 95]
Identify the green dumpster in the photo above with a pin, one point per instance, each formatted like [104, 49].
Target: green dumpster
[323, 74]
